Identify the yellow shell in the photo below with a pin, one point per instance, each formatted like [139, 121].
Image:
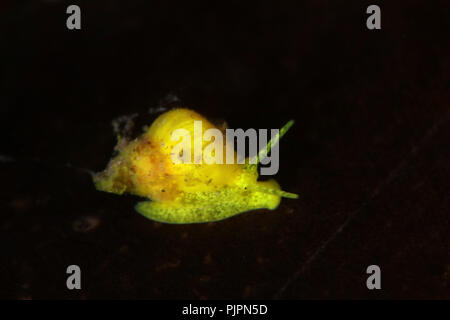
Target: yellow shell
[182, 192]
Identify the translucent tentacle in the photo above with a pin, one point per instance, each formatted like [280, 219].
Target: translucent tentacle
[263, 152]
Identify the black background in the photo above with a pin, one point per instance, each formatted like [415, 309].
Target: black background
[368, 155]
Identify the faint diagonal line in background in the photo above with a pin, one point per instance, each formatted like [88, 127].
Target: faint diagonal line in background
[393, 174]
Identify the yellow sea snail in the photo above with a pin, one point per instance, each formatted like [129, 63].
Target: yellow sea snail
[186, 192]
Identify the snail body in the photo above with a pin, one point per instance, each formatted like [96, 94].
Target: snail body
[185, 192]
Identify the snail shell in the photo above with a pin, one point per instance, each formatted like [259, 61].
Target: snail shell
[182, 192]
